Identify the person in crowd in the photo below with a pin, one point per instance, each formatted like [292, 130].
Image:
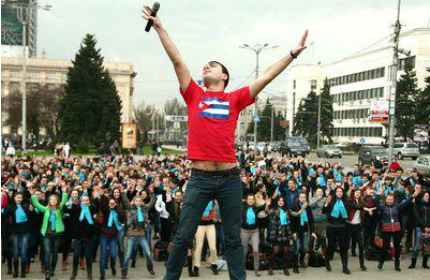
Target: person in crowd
[391, 228]
[137, 223]
[206, 229]
[250, 233]
[52, 228]
[422, 220]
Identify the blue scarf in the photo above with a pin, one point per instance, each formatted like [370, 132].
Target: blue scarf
[113, 218]
[208, 209]
[339, 209]
[358, 182]
[53, 218]
[250, 216]
[322, 180]
[85, 214]
[69, 206]
[140, 216]
[283, 217]
[20, 216]
[303, 217]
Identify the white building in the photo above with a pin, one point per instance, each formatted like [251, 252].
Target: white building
[360, 78]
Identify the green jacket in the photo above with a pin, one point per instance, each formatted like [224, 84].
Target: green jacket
[59, 225]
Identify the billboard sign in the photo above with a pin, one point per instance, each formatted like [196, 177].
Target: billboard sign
[379, 111]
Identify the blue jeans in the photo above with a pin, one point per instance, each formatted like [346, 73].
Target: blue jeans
[112, 243]
[301, 246]
[202, 187]
[355, 233]
[121, 236]
[51, 245]
[417, 242]
[142, 241]
[219, 238]
[20, 247]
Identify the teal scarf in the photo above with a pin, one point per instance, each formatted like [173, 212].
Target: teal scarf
[140, 216]
[53, 219]
[86, 214]
[208, 209]
[303, 217]
[339, 208]
[283, 217]
[113, 218]
[250, 216]
[20, 216]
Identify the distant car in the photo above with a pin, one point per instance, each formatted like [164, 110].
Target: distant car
[373, 155]
[295, 146]
[403, 150]
[262, 147]
[274, 147]
[423, 162]
[329, 151]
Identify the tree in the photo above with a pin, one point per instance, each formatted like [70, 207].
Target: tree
[406, 105]
[326, 113]
[42, 111]
[423, 107]
[90, 111]
[305, 120]
[265, 125]
[279, 133]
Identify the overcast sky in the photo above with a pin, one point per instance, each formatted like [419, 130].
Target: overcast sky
[207, 30]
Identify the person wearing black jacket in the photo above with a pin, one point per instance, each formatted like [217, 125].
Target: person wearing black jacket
[112, 224]
[422, 219]
[337, 207]
[82, 230]
[19, 215]
[302, 223]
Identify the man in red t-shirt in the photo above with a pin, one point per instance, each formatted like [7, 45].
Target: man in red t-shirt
[212, 118]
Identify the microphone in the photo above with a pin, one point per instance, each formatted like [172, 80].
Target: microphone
[155, 9]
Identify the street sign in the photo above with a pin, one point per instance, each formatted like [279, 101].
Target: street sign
[256, 118]
[362, 140]
[176, 118]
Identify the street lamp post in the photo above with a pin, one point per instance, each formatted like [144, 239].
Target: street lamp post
[392, 103]
[24, 13]
[257, 49]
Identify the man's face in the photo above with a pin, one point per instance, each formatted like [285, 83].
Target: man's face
[212, 73]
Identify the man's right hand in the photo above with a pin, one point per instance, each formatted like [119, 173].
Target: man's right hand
[156, 22]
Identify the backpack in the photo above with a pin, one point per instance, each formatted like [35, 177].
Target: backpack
[316, 259]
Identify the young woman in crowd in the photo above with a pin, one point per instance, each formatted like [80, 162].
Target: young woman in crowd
[82, 229]
[206, 229]
[260, 199]
[112, 225]
[19, 214]
[303, 226]
[52, 228]
[354, 225]
[337, 207]
[280, 235]
[422, 220]
[137, 223]
[320, 221]
[249, 232]
[391, 228]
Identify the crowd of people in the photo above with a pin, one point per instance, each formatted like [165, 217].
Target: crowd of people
[295, 213]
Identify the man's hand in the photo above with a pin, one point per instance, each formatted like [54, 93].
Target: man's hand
[273, 71]
[302, 44]
[146, 14]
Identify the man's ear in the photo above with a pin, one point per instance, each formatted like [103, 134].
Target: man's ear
[224, 77]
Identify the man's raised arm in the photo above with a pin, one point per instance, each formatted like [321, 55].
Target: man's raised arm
[273, 71]
[181, 68]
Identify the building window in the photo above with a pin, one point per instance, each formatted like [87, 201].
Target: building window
[15, 74]
[14, 86]
[33, 76]
[294, 84]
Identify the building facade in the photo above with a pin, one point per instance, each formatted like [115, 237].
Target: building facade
[53, 73]
[357, 80]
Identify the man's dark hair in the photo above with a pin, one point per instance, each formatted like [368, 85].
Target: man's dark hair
[224, 71]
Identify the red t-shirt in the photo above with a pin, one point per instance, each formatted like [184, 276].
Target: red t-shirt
[212, 119]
